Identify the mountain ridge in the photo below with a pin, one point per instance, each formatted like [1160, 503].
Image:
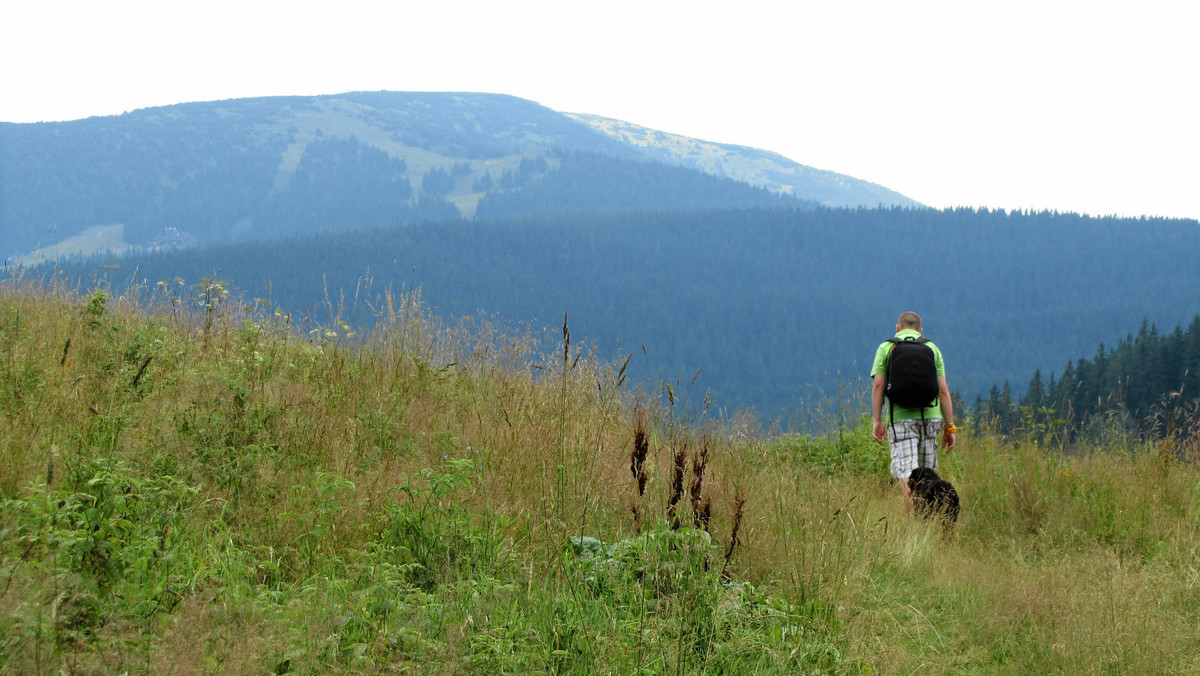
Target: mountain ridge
[231, 169]
[755, 166]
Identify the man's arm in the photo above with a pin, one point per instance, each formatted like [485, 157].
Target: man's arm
[877, 427]
[947, 406]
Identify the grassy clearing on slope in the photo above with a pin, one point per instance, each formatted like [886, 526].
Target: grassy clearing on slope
[212, 493]
[98, 239]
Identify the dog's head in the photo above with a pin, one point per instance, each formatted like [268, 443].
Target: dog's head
[922, 475]
[933, 496]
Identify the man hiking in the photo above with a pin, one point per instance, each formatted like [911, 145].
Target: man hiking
[909, 371]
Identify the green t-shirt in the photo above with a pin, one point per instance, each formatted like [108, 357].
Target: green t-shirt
[879, 368]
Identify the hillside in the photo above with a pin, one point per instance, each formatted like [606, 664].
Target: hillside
[247, 169]
[203, 491]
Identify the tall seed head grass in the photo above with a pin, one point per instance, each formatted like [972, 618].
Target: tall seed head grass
[637, 464]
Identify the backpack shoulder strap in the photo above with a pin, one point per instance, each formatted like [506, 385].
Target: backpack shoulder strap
[920, 340]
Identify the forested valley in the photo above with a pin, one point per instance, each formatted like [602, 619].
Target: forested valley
[774, 310]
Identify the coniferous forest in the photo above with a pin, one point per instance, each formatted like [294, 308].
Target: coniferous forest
[778, 310]
[1148, 383]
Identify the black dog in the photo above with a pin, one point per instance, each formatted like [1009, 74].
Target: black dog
[933, 496]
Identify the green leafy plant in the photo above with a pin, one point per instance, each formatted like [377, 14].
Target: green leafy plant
[316, 519]
[668, 581]
[96, 308]
[433, 530]
[116, 530]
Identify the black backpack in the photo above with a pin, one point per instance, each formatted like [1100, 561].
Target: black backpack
[911, 377]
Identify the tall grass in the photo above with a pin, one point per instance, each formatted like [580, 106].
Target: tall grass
[195, 484]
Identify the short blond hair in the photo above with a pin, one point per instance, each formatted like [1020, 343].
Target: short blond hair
[910, 320]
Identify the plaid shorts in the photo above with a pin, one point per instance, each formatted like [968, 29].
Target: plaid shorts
[913, 446]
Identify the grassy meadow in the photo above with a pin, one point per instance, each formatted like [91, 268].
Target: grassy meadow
[194, 485]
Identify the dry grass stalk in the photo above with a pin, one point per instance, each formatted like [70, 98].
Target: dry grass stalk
[566, 340]
[739, 504]
[637, 464]
[701, 507]
[141, 371]
[677, 470]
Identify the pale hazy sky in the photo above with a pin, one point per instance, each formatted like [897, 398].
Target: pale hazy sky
[1077, 106]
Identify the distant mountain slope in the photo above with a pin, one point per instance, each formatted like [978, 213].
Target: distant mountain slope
[583, 183]
[774, 306]
[749, 165]
[265, 168]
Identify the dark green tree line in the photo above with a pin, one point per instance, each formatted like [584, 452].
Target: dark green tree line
[1148, 383]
